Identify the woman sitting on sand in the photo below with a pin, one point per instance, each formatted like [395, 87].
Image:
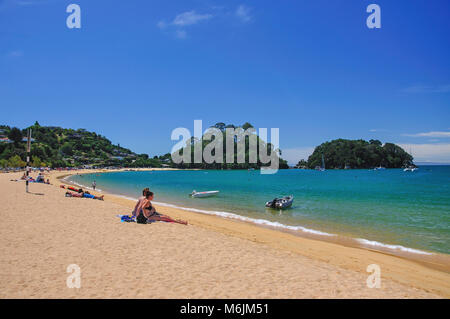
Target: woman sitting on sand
[139, 202]
[147, 213]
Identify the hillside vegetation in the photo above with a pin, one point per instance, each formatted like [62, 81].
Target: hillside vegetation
[60, 147]
[358, 154]
[236, 139]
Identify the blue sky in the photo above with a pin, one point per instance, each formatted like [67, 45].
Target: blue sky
[136, 70]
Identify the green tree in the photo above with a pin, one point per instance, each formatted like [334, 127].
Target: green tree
[16, 161]
[302, 163]
[36, 162]
[220, 126]
[375, 142]
[3, 163]
[67, 149]
[15, 135]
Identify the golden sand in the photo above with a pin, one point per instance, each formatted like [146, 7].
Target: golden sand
[43, 232]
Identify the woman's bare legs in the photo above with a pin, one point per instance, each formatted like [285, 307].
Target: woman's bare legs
[166, 218]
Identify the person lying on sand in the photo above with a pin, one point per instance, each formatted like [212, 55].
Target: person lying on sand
[140, 199]
[86, 195]
[147, 212]
[29, 178]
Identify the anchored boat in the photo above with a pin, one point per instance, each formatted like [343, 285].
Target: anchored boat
[281, 202]
[203, 194]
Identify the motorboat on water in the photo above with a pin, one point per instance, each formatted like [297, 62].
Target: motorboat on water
[410, 169]
[379, 168]
[196, 194]
[281, 202]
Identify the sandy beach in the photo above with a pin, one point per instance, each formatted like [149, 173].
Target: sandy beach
[42, 232]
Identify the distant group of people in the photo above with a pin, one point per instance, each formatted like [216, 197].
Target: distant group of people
[39, 179]
[145, 212]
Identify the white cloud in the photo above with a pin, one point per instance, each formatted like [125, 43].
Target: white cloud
[190, 18]
[243, 13]
[293, 155]
[181, 34]
[427, 89]
[429, 152]
[184, 19]
[430, 134]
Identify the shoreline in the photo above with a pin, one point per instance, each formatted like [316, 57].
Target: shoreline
[44, 232]
[398, 250]
[341, 250]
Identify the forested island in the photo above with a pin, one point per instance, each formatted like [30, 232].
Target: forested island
[244, 139]
[342, 153]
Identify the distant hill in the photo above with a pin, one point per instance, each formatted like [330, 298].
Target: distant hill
[60, 147]
[235, 165]
[358, 154]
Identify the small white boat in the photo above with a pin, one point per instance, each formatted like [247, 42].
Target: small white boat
[410, 169]
[379, 168]
[203, 194]
[281, 202]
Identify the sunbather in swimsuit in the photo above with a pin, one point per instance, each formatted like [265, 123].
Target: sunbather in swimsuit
[139, 202]
[148, 213]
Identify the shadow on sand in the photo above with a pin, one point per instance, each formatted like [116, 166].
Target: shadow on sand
[35, 193]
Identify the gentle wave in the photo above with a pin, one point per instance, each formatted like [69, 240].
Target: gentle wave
[236, 216]
[279, 225]
[231, 215]
[248, 219]
[393, 247]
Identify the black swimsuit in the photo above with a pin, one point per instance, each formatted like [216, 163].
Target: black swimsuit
[154, 213]
[141, 219]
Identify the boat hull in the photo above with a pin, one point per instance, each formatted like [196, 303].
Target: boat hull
[204, 194]
[281, 203]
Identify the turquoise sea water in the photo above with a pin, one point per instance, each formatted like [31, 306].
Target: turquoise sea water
[411, 209]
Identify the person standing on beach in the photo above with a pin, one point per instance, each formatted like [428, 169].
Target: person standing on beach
[93, 185]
